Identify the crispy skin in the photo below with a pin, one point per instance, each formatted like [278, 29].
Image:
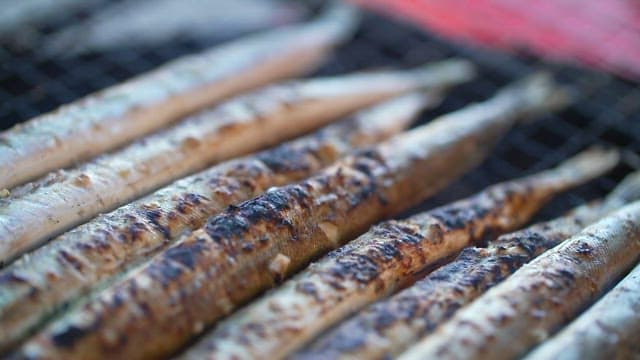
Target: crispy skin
[36, 285]
[538, 298]
[237, 127]
[115, 116]
[607, 330]
[388, 327]
[380, 261]
[247, 249]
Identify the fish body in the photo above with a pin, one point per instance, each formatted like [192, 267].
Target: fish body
[35, 286]
[117, 115]
[158, 307]
[379, 262]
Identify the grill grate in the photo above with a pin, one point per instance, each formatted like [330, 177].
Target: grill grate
[607, 111]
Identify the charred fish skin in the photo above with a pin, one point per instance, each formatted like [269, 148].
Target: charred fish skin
[380, 261]
[607, 330]
[42, 210]
[539, 297]
[252, 246]
[115, 116]
[388, 327]
[35, 286]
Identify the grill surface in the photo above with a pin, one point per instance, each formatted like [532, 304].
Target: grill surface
[607, 110]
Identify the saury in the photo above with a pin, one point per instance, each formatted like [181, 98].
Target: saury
[32, 288]
[157, 308]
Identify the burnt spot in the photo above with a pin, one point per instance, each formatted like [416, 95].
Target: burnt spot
[584, 249]
[472, 280]
[257, 328]
[68, 336]
[68, 258]
[145, 308]
[370, 153]
[300, 195]
[184, 254]
[566, 274]
[384, 319]
[529, 242]
[188, 201]
[459, 216]
[136, 230]
[389, 251]
[357, 267]
[287, 158]
[403, 307]
[164, 271]
[153, 215]
[172, 216]
[512, 262]
[116, 301]
[339, 344]
[12, 277]
[395, 230]
[308, 288]
[279, 199]
[226, 226]
[247, 247]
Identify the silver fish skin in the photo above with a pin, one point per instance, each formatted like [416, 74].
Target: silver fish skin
[390, 326]
[41, 282]
[155, 309]
[43, 209]
[531, 304]
[379, 262]
[119, 114]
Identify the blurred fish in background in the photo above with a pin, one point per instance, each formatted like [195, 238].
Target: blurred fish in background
[111, 25]
[136, 22]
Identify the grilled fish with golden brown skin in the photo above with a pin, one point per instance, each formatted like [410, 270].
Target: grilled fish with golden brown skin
[38, 284]
[377, 263]
[117, 115]
[607, 330]
[532, 303]
[388, 327]
[160, 306]
[239, 126]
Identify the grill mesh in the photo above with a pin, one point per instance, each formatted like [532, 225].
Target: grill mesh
[607, 111]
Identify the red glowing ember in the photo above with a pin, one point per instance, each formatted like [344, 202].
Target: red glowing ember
[600, 34]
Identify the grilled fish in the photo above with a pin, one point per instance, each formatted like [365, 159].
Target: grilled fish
[608, 330]
[528, 306]
[155, 309]
[67, 198]
[377, 263]
[117, 115]
[386, 328]
[33, 287]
